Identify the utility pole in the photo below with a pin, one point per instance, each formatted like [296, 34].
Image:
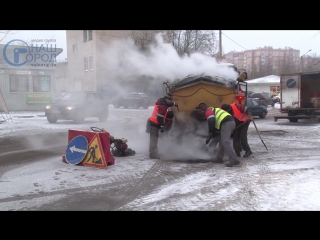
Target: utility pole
[300, 69]
[220, 45]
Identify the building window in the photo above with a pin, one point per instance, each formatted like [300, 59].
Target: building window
[75, 48]
[87, 35]
[41, 84]
[19, 83]
[86, 64]
[90, 63]
[90, 34]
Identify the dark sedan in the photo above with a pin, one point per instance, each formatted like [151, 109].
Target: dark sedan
[133, 99]
[77, 106]
[256, 108]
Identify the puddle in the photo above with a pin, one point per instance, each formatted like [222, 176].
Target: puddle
[29, 116]
[193, 160]
[24, 116]
[273, 132]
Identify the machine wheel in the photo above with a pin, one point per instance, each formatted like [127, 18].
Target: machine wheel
[116, 105]
[145, 107]
[263, 115]
[273, 103]
[293, 119]
[52, 119]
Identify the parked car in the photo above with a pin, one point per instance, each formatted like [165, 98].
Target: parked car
[77, 106]
[256, 108]
[132, 99]
[249, 93]
[263, 98]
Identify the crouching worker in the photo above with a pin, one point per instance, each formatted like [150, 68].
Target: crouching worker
[119, 147]
[220, 121]
[160, 120]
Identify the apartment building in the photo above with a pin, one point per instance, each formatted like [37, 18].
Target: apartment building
[265, 61]
[89, 68]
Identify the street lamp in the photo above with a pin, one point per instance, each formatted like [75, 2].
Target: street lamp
[300, 69]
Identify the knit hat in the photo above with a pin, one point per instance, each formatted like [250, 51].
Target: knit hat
[226, 107]
[168, 96]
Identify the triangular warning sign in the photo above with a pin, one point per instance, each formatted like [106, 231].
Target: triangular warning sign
[95, 156]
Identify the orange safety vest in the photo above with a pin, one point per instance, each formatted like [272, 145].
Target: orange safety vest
[238, 114]
[155, 114]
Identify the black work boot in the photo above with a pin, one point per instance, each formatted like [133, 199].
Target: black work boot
[232, 163]
[154, 156]
[238, 154]
[216, 160]
[247, 154]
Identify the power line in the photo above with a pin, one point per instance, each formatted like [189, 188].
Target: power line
[234, 41]
[316, 34]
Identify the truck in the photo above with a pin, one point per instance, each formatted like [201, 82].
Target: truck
[299, 96]
[214, 90]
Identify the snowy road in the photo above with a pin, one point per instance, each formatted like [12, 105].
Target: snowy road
[286, 177]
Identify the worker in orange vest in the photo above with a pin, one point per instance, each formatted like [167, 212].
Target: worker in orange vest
[242, 117]
[161, 119]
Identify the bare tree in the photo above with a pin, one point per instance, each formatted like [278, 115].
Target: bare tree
[143, 38]
[191, 41]
[313, 63]
[4, 34]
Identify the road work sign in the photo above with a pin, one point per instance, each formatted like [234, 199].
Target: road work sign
[76, 150]
[95, 156]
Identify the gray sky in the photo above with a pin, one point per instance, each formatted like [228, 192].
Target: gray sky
[232, 40]
[240, 40]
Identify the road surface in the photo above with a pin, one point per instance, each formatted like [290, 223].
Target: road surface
[284, 177]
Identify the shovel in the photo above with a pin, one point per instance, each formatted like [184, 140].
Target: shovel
[259, 134]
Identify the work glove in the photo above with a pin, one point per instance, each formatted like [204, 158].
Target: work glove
[162, 129]
[249, 114]
[175, 104]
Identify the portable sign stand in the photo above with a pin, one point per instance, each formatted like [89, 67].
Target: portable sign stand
[95, 154]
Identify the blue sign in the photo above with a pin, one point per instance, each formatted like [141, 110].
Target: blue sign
[76, 150]
[291, 83]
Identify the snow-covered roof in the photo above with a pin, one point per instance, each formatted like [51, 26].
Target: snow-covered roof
[266, 79]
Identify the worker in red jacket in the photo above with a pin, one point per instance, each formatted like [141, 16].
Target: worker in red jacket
[161, 119]
[242, 117]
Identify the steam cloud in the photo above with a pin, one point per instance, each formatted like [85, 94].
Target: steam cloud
[160, 62]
